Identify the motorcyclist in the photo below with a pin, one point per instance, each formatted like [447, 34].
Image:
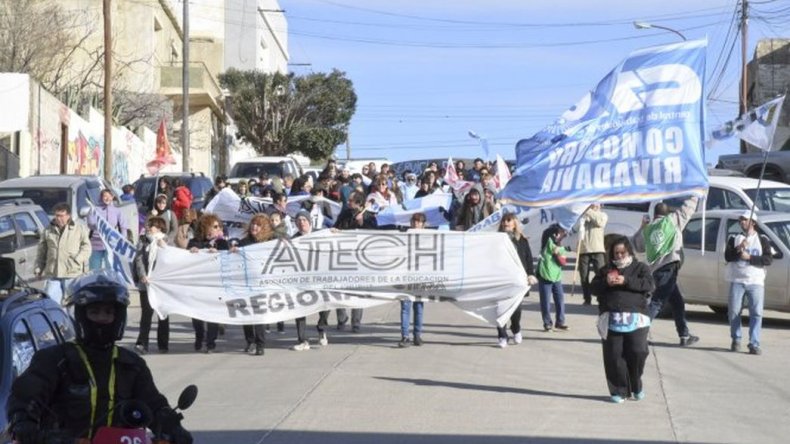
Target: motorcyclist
[75, 387]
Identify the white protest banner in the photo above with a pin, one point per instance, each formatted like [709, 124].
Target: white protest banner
[120, 252]
[286, 279]
[236, 211]
[756, 126]
[434, 206]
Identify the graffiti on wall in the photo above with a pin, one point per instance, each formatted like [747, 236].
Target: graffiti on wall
[85, 155]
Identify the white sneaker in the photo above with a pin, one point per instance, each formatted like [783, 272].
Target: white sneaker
[323, 340]
[517, 338]
[502, 342]
[301, 346]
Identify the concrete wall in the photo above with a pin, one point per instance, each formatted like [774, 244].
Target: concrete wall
[52, 125]
[255, 40]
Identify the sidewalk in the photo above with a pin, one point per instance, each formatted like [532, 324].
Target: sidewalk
[460, 388]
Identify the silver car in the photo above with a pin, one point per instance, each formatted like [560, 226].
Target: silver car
[22, 223]
[701, 278]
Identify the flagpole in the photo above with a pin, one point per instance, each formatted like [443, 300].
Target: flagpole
[759, 183]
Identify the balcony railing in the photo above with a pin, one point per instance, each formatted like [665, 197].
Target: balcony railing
[203, 87]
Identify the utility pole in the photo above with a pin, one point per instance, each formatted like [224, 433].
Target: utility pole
[185, 93]
[744, 73]
[107, 10]
[348, 144]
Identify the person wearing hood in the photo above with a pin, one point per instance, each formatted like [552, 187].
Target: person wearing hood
[623, 287]
[473, 210]
[182, 198]
[410, 186]
[148, 248]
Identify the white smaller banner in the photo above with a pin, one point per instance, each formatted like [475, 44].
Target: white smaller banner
[435, 207]
[120, 252]
[236, 211]
[757, 126]
[285, 279]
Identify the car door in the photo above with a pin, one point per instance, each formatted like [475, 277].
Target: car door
[10, 242]
[702, 272]
[30, 234]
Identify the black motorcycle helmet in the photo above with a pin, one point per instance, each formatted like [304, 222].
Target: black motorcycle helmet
[97, 287]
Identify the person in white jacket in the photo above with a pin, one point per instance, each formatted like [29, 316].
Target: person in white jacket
[747, 255]
[591, 249]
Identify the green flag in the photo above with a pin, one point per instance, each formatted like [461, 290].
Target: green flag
[659, 238]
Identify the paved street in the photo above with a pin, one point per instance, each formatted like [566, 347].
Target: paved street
[460, 388]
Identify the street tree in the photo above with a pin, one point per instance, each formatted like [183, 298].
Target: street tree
[280, 114]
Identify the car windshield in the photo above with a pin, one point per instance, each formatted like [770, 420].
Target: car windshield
[771, 199]
[45, 197]
[782, 230]
[252, 169]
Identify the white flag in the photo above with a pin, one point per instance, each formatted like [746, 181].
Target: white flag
[756, 127]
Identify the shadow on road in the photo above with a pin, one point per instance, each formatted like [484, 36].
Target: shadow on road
[332, 437]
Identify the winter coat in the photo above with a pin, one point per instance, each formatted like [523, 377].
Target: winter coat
[182, 200]
[64, 254]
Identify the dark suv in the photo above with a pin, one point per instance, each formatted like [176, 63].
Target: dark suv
[29, 321]
[197, 183]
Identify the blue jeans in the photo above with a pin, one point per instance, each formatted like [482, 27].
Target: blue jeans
[55, 288]
[98, 260]
[405, 315]
[756, 295]
[667, 290]
[546, 288]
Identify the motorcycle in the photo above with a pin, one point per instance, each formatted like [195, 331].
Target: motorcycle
[134, 417]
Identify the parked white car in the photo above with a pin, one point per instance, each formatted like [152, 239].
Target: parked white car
[701, 278]
[253, 167]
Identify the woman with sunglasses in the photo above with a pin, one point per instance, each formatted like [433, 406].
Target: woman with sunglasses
[210, 237]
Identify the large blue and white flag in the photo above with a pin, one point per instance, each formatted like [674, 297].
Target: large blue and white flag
[637, 136]
[756, 127]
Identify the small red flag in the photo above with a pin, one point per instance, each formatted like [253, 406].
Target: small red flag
[163, 154]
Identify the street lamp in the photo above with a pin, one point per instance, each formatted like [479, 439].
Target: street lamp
[645, 25]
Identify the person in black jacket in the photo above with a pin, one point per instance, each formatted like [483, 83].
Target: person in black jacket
[510, 225]
[74, 388]
[358, 216]
[209, 237]
[144, 260]
[623, 288]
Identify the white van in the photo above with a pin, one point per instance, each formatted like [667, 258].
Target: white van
[355, 165]
[274, 166]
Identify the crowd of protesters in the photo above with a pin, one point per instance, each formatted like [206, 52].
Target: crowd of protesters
[621, 283]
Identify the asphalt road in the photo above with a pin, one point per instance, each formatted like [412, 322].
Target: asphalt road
[459, 388]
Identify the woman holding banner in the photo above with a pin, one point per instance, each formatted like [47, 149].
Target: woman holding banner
[260, 229]
[511, 226]
[144, 261]
[209, 237]
[623, 287]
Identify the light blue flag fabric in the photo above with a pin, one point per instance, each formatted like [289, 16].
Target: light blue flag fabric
[637, 136]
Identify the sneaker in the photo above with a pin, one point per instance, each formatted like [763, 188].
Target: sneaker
[735, 346]
[502, 343]
[587, 302]
[639, 396]
[755, 350]
[259, 350]
[417, 340]
[404, 342]
[341, 326]
[209, 350]
[323, 340]
[562, 327]
[617, 399]
[140, 350]
[688, 340]
[248, 348]
[302, 346]
[548, 327]
[163, 351]
[517, 338]
[355, 329]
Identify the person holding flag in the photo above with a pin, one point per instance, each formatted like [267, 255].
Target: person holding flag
[662, 241]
